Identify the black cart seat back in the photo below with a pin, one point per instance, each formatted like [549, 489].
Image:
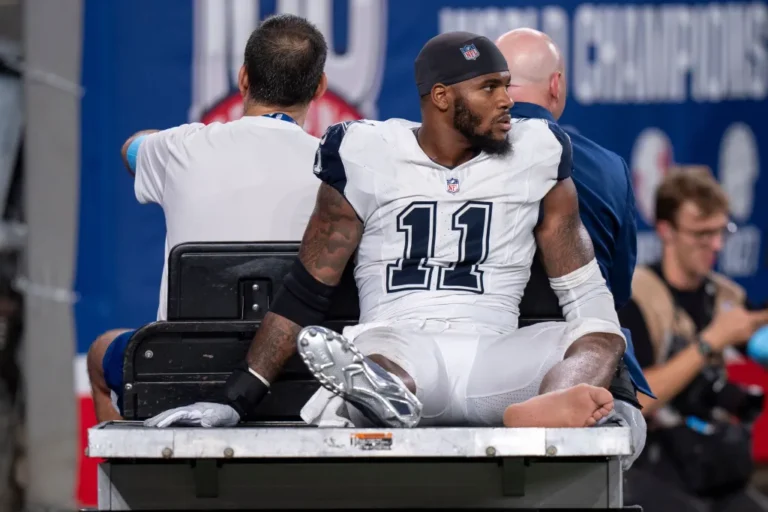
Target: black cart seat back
[236, 281]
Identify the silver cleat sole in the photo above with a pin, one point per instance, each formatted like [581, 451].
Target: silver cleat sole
[340, 367]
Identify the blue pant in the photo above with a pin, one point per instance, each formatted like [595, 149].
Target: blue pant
[112, 364]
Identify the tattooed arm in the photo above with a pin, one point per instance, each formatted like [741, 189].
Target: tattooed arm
[331, 237]
[568, 257]
[563, 240]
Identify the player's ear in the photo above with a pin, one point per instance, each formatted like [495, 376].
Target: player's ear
[440, 97]
[242, 81]
[664, 229]
[322, 86]
[555, 85]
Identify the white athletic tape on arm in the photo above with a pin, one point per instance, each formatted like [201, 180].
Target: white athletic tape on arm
[585, 299]
[258, 376]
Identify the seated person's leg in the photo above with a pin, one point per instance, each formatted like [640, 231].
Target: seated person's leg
[511, 369]
[105, 371]
[587, 368]
[384, 372]
[504, 383]
[582, 362]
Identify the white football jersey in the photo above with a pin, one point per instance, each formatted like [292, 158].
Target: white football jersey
[440, 243]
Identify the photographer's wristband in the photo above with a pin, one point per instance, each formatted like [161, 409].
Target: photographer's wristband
[706, 349]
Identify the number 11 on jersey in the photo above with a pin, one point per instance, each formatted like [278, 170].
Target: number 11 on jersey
[417, 222]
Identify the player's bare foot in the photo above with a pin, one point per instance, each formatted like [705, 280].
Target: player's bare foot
[580, 406]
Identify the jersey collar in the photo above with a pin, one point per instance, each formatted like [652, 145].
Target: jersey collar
[424, 159]
[281, 117]
[531, 110]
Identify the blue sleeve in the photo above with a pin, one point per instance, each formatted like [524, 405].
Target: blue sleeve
[625, 255]
[564, 170]
[634, 366]
[329, 166]
[133, 151]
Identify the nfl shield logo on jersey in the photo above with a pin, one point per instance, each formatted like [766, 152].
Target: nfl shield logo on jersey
[470, 52]
[453, 185]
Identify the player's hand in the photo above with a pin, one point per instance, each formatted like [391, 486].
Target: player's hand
[734, 326]
[201, 414]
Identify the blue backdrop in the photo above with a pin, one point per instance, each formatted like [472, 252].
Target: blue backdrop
[661, 84]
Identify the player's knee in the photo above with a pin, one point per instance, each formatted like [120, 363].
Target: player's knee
[419, 359]
[605, 344]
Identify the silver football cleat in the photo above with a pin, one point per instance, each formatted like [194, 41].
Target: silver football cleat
[340, 367]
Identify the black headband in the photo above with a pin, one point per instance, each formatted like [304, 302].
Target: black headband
[454, 57]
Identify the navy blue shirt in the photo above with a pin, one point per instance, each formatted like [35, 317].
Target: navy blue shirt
[607, 210]
[606, 205]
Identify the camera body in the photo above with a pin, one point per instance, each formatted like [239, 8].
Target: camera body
[710, 390]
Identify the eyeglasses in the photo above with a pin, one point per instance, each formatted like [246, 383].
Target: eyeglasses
[704, 236]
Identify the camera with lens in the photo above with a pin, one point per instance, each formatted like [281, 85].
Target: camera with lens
[710, 390]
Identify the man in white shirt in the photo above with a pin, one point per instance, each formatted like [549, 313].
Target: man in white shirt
[246, 180]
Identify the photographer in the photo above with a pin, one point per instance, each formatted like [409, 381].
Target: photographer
[683, 316]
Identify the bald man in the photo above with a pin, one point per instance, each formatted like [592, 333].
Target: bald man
[602, 179]
[603, 182]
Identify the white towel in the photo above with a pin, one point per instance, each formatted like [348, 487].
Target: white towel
[325, 409]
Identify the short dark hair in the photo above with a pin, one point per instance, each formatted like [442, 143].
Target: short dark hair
[284, 60]
[696, 185]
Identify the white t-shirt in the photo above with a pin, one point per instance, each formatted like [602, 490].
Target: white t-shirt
[246, 180]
